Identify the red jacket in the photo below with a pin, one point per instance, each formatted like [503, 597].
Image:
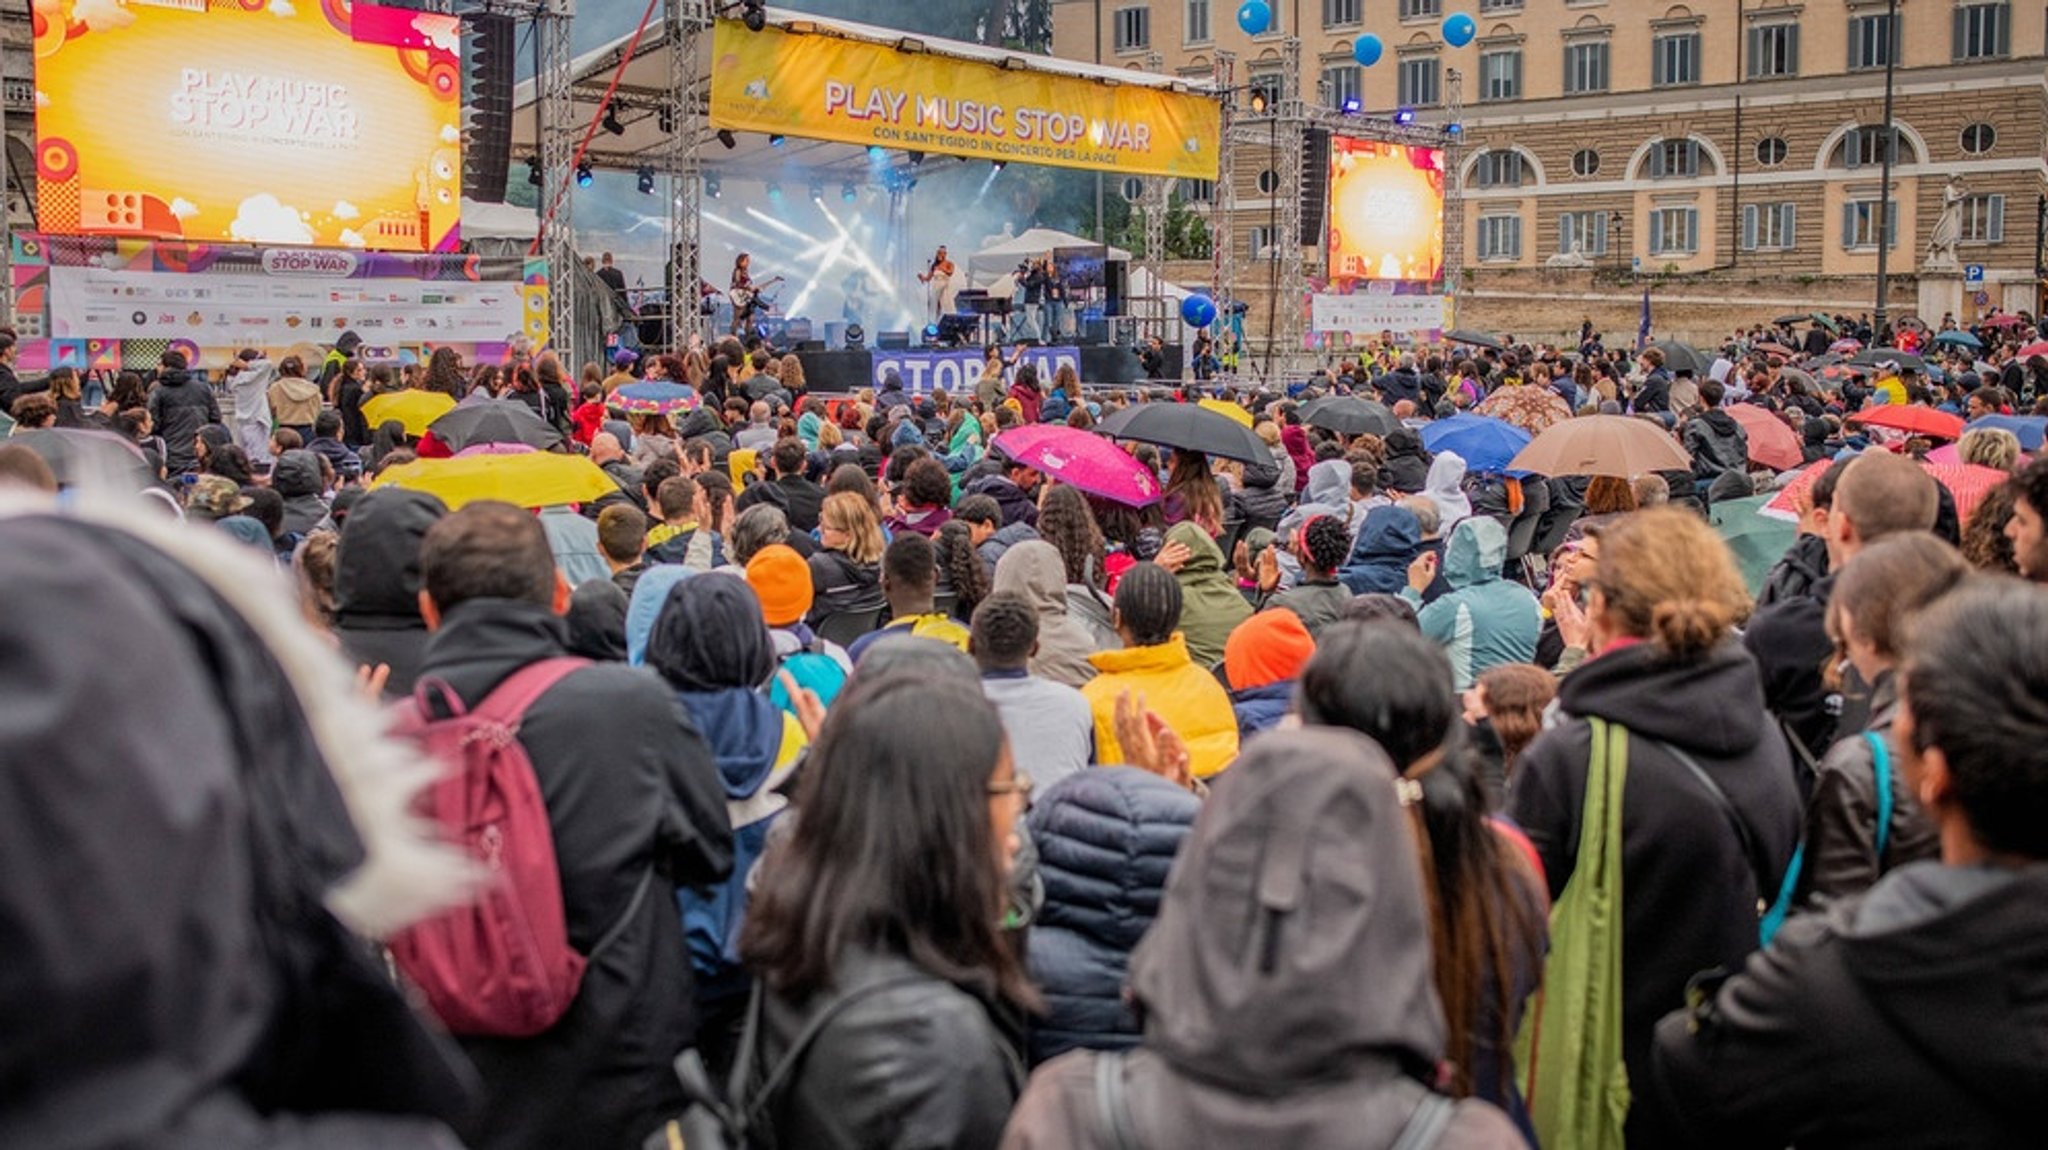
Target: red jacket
[587, 420]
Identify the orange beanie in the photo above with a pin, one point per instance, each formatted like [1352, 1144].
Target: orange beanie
[782, 581]
[1270, 647]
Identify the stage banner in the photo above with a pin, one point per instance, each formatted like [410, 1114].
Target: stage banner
[956, 372]
[306, 122]
[1386, 211]
[824, 87]
[1371, 314]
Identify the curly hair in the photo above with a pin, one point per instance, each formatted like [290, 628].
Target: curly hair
[1325, 543]
[960, 568]
[1985, 543]
[1065, 521]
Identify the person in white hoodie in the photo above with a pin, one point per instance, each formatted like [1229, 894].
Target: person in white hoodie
[249, 380]
[1445, 488]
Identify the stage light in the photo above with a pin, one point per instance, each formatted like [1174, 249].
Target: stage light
[584, 176]
[848, 192]
[1258, 102]
[711, 185]
[754, 14]
[726, 137]
[1351, 106]
[1404, 116]
[774, 191]
[817, 193]
[931, 334]
[916, 158]
[611, 121]
[876, 151]
[665, 120]
[533, 170]
[999, 166]
[646, 180]
[855, 337]
[776, 141]
[1454, 129]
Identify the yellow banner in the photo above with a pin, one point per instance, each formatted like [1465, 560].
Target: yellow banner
[823, 87]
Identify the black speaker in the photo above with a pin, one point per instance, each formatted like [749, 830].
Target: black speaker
[489, 50]
[1315, 183]
[893, 340]
[812, 344]
[1116, 286]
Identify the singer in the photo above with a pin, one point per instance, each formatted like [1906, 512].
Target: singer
[939, 287]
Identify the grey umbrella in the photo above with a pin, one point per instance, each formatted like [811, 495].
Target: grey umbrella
[1683, 358]
[1350, 415]
[1187, 427]
[79, 456]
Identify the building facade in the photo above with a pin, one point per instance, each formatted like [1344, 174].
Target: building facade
[1728, 151]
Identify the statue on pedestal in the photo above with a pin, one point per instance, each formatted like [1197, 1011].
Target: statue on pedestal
[1948, 228]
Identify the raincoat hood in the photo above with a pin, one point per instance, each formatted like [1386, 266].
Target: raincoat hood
[1445, 488]
[1292, 946]
[1388, 541]
[1477, 549]
[1712, 706]
[744, 730]
[1329, 483]
[645, 606]
[377, 566]
[1204, 556]
[296, 474]
[722, 643]
[1035, 570]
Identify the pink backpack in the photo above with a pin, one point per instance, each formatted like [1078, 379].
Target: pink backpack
[502, 965]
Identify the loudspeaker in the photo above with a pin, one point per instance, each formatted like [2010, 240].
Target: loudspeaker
[1116, 284]
[487, 104]
[893, 340]
[813, 344]
[1095, 330]
[1315, 184]
[798, 329]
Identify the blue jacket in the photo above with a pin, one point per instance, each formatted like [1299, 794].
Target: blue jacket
[1106, 838]
[1486, 620]
[1260, 708]
[1388, 541]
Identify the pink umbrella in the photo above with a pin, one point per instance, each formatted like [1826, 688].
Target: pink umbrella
[1952, 453]
[1082, 460]
[1845, 345]
[1771, 441]
[496, 449]
[2038, 347]
[1966, 482]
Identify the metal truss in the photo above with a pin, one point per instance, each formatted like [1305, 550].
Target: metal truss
[552, 21]
[688, 22]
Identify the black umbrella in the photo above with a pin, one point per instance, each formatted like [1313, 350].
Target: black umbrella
[1872, 356]
[494, 421]
[1187, 427]
[1476, 339]
[78, 455]
[1350, 415]
[1680, 358]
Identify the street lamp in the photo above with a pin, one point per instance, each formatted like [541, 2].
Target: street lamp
[1884, 188]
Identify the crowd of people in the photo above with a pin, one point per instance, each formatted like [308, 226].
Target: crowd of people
[842, 779]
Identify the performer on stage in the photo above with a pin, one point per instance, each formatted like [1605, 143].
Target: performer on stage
[938, 278]
[747, 299]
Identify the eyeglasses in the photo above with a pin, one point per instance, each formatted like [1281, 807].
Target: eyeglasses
[1019, 785]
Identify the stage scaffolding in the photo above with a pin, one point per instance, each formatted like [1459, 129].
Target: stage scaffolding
[687, 21]
[1274, 135]
[555, 84]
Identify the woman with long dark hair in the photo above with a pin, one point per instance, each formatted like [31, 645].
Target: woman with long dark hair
[1066, 519]
[884, 906]
[1486, 902]
[962, 574]
[444, 373]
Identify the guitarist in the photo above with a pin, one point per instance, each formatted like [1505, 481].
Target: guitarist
[746, 300]
[939, 278]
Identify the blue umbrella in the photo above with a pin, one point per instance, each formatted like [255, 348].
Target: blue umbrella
[1484, 443]
[2030, 428]
[1960, 339]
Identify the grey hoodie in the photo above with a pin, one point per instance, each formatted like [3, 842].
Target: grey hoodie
[251, 394]
[1035, 570]
[1287, 984]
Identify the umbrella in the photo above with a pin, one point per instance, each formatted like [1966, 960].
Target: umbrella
[1810, 317]
[1917, 420]
[1772, 442]
[2038, 347]
[475, 449]
[1966, 482]
[78, 456]
[1533, 409]
[1683, 357]
[530, 479]
[1349, 415]
[1187, 427]
[1229, 411]
[656, 398]
[1769, 348]
[1785, 503]
[1082, 460]
[1756, 538]
[1484, 443]
[1903, 360]
[2031, 429]
[493, 421]
[1845, 347]
[415, 409]
[1476, 339]
[1960, 339]
[2001, 320]
[1795, 376]
[1617, 445]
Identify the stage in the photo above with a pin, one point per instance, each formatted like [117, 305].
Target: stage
[956, 370]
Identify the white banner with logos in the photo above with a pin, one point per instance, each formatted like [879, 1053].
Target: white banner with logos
[1371, 314]
[312, 297]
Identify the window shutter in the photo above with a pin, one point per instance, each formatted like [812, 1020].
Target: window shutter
[1855, 42]
[2003, 41]
[1755, 42]
[1657, 232]
[1994, 225]
[1848, 226]
[1787, 235]
[1749, 218]
[1599, 246]
[1891, 224]
[1692, 230]
[1792, 50]
[1692, 157]
[1959, 37]
[1658, 49]
[1852, 149]
[1515, 75]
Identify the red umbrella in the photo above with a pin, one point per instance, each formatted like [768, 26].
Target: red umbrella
[2038, 347]
[2000, 321]
[1772, 442]
[1912, 418]
[1966, 482]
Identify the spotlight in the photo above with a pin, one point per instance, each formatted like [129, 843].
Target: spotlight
[533, 170]
[1404, 116]
[646, 180]
[665, 119]
[711, 185]
[1258, 102]
[998, 166]
[916, 158]
[1454, 129]
[855, 337]
[726, 137]
[931, 334]
[611, 121]
[817, 193]
[1351, 106]
[876, 151]
[776, 141]
[774, 191]
[584, 178]
[848, 192]
[754, 14]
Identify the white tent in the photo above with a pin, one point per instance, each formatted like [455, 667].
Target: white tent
[991, 264]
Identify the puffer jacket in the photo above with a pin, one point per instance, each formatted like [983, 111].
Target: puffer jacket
[1485, 621]
[1841, 815]
[1188, 697]
[1388, 541]
[1261, 708]
[1261, 502]
[1017, 504]
[1406, 468]
[179, 406]
[1718, 444]
[1106, 839]
[996, 546]
[1035, 570]
[1211, 605]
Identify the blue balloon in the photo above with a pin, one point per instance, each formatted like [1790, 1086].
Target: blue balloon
[1198, 310]
[1459, 29]
[1366, 50]
[1255, 16]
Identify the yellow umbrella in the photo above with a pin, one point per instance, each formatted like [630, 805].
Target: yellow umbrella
[1228, 410]
[530, 479]
[412, 407]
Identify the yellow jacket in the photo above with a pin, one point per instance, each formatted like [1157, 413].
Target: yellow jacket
[1189, 698]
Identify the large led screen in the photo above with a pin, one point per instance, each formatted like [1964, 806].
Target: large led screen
[1386, 211]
